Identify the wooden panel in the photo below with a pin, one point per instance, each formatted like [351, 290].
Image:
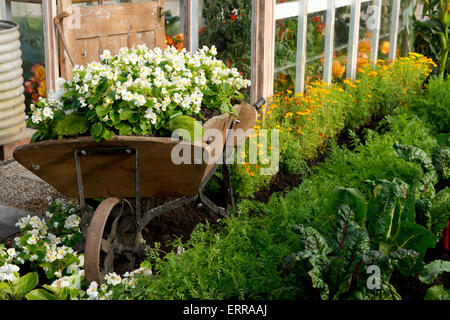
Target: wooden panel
[147, 37]
[114, 42]
[112, 175]
[122, 25]
[90, 50]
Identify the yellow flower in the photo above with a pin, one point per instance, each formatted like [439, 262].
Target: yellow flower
[385, 47]
[39, 73]
[41, 90]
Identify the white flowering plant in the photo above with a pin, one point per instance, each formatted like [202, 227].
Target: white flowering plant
[138, 91]
[47, 244]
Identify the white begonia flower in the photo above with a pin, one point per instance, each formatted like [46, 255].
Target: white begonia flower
[50, 256]
[105, 55]
[11, 252]
[36, 117]
[33, 239]
[61, 283]
[92, 291]
[213, 50]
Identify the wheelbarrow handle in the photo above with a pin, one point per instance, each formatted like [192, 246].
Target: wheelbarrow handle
[258, 104]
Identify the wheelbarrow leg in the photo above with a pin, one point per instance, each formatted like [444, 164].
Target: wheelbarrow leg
[211, 205]
[228, 186]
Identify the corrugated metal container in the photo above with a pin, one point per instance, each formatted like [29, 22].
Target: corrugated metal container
[12, 106]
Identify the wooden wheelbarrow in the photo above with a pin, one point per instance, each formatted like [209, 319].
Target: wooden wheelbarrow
[138, 167]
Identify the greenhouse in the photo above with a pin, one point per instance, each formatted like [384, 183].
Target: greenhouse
[242, 151]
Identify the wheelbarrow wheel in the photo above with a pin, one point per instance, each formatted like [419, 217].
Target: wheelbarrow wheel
[111, 237]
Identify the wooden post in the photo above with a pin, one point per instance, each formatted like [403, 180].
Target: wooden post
[329, 42]
[395, 17]
[376, 31]
[5, 8]
[352, 57]
[64, 60]
[51, 44]
[301, 46]
[263, 45]
[190, 24]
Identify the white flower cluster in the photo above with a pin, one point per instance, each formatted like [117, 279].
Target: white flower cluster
[35, 231]
[8, 272]
[104, 292]
[33, 222]
[38, 245]
[72, 221]
[150, 80]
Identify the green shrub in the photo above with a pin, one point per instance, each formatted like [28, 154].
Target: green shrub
[191, 129]
[71, 125]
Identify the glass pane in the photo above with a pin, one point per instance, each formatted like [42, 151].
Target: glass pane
[341, 32]
[228, 25]
[383, 48]
[285, 54]
[29, 18]
[315, 44]
[172, 17]
[365, 35]
[406, 14]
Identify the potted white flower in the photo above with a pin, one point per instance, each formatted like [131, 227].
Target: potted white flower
[137, 92]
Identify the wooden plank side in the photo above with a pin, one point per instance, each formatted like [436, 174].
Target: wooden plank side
[112, 175]
[329, 42]
[301, 46]
[355, 15]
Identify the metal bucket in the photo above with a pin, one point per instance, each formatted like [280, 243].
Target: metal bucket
[12, 106]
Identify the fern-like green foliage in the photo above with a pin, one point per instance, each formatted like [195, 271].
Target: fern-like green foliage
[71, 125]
[186, 127]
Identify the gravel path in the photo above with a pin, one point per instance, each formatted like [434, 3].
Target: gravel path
[22, 189]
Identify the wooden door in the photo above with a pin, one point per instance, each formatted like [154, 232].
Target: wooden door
[89, 30]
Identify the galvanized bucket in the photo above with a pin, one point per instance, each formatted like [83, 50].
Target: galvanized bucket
[12, 106]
